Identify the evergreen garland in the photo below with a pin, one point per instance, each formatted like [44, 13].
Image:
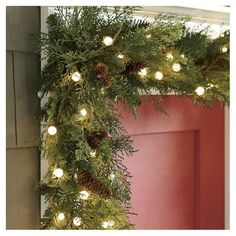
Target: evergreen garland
[96, 58]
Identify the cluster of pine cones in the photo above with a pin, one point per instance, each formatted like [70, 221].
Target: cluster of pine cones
[130, 68]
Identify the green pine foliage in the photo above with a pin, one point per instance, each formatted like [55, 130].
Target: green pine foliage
[90, 138]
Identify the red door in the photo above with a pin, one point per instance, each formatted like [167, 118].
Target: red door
[178, 172]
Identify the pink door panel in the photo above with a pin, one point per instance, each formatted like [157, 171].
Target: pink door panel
[178, 173]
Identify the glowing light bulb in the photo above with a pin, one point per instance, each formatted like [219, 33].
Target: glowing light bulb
[93, 154]
[77, 221]
[121, 56]
[176, 67]
[84, 195]
[58, 172]
[61, 216]
[148, 36]
[112, 176]
[83, 112]
[199, 91]
[52, 130]
[224, 49]
[158, 75]
[169, 56]
[76, 76]
[102, 91]
[107, 41]
[111, 223]
[107, 224]
[143, 72]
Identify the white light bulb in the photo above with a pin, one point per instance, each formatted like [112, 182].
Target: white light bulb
[52, 130]
[58, 172]
[176, 67]
[76, 76]
[199, 91]
[61, 216]
[224, 49]
[111, 223]
[77, 221]
[169, 56]
[83, 112]
[148, 36]
[102, 91]
[143, 72]
[107, 41]
[93, 153]
[107, 224]
[84, 195]
[120, 56]
[158, 75]
[112, 176]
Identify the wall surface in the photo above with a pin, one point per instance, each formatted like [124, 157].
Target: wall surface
[178, 172]
[22, 129]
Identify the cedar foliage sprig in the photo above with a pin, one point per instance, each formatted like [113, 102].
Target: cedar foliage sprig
[74, 42]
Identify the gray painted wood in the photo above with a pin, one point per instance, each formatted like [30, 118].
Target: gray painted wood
[26, 71]
[23, 131]
[21, 188]
[10, 104]
[20, 22]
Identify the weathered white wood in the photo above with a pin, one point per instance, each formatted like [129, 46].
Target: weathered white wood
[197, 14]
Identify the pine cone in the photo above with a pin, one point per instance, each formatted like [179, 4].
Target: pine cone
[94, 139]
[93, 142]
[219, 64]
[102, 133]
[102, 74]
[92, 184]
[105, 81]
[134, 67]
[101, 70]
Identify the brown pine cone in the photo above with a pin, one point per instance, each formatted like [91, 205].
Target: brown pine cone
[218, 64]
[93, 142]
[92, 184]
[94, 139]
[134, 67]
[102, 133]
[105, 81]
[101, 70]
[102, 74]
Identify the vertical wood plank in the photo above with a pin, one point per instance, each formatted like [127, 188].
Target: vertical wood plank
[27, 71]
[20, 22]
[10, 103]
[22, 199]
[23, 131]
